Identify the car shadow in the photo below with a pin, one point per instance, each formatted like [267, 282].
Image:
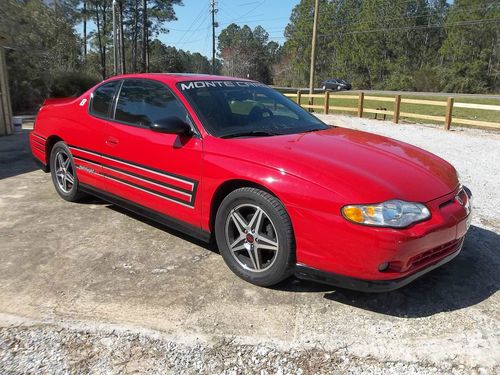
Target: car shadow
[469, 279]
[211, 246]
[15, 155]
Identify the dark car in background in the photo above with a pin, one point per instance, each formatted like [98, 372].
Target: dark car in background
[335, 84]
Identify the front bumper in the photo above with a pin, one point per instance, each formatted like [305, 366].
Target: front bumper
[384, 259]
[370, 286]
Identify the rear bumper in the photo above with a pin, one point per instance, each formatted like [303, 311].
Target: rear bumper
[374, 286]
[40, 164]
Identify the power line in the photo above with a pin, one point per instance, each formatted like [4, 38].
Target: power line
[200, 14]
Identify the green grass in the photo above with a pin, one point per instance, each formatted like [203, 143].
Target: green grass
[465, 113]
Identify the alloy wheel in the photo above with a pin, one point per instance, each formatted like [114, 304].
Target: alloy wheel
[251, 237]
[64, 172]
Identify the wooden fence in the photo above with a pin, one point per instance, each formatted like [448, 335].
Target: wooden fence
[447, 118]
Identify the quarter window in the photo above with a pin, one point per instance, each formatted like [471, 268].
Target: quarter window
[102, 99]
[143, 102]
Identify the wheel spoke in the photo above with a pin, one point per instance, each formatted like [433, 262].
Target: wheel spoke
[256, 220]
[267, 243]
[69, 178]
[64, 183]
[240, 223]
[252, 254]
[238, 244]
[60, 160]
[67, 163]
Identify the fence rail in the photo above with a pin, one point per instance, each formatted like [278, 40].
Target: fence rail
[446, 118]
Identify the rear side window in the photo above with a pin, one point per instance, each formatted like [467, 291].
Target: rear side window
[102, 99]
[143, 102]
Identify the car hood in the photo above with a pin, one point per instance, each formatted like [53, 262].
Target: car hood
[359, 166]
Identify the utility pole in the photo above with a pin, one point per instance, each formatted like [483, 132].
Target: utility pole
[213, 10]
[313, 48]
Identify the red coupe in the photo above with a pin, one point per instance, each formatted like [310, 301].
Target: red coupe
[281, 192]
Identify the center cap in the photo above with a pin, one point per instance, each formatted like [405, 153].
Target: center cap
[250, 238]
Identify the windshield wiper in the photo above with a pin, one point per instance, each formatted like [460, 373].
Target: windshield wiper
[314, 130]
[253, 133]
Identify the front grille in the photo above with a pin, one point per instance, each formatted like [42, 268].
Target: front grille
[434, 254]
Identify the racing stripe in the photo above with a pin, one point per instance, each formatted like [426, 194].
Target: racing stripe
[161, 189]
[179, 182]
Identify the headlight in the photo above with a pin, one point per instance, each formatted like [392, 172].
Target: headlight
[393, 213]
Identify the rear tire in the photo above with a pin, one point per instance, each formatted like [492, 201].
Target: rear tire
[63, 172]
[255, 237]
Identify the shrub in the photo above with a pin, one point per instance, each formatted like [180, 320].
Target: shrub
[68, 84]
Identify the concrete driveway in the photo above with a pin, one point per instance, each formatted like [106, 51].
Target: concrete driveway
[93, 269]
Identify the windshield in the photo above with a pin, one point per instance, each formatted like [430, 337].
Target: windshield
[242, 108]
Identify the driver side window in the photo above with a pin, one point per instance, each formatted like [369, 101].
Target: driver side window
[143, 102]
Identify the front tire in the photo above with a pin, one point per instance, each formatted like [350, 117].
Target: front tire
[255, 237]
[63, 171]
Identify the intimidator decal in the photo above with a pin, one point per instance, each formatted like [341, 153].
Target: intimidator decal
[202, 84]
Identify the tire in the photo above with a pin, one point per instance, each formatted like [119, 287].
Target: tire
[324, 88]
[67, 188]
[339, 88]
[260, 251]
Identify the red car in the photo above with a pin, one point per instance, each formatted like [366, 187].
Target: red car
[281, 192]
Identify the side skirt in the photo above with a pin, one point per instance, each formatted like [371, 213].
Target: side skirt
[168, 221]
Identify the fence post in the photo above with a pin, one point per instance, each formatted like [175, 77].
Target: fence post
[397, 106]
[360, 103]
[327, 101]
[298, 97]
[449, 112]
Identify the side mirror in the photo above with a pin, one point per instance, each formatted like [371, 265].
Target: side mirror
[171, 125]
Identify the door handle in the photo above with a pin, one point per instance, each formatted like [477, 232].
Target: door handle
[112, 141]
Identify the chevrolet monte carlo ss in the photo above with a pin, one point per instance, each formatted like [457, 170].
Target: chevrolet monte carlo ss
[280, 192]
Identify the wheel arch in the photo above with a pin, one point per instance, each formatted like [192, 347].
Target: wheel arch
[226, 188]
[51, 141]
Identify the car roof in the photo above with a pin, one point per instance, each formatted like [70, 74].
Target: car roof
[179, 77]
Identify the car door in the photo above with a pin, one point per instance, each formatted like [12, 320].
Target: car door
[158, 171]
[87, 141]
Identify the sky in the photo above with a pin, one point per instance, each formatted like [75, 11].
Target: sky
[193, 32]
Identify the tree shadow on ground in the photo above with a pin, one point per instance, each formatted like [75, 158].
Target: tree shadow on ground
[15, 155]
[472, 277]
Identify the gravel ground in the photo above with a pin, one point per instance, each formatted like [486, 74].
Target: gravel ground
[91, 306]
[42, 348]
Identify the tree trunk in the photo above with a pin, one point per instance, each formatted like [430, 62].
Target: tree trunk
[122, 42]
[84, 30]
[145, 62]
[102, 51]
[135, 34]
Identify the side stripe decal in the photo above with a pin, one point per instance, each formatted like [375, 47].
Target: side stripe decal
[39, 136]
[39, 149]
[150, 191]
[140, 177]
[38, 143]
[159, 172]
[189, 194]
